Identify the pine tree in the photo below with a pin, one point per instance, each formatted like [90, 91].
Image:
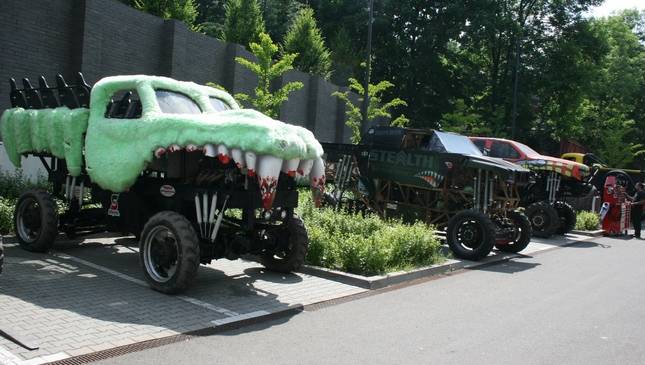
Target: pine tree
[183, 10]
[243, 23]
[278, 14]
[377, 107]
[266, 69]
[305, 39]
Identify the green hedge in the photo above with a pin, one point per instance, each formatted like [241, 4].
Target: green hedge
[587, 221]
[366, 245]
[338, 240]
[6, 215]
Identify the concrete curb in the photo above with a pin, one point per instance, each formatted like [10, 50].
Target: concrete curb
[596, 233]
[450, 265]
[382, 281]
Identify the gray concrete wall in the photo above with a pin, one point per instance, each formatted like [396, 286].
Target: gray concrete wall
[105, 37]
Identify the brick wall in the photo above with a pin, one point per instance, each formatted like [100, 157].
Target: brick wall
[105, 37]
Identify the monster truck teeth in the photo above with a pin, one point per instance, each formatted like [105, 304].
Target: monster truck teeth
[289, 167]
[250, 158]
[317, 180]
[304, 167]
[222, 154]
[209, 150]
[268, 174]
[238, 157]
[160, 152]
[174, 148]
[192, 148]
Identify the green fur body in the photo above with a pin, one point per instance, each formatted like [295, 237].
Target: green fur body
[116, 151]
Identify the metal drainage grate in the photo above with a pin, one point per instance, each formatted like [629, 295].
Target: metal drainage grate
[145, 345]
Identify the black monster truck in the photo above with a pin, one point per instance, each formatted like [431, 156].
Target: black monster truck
[175, 163]
[435, 177]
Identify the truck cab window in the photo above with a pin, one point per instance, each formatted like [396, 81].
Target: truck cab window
[503, 150]
[218, 104]
[124, 104]
[172, 102]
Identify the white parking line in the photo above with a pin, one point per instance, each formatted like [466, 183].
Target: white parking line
[7, 358]
[240, 317]
[184, 298]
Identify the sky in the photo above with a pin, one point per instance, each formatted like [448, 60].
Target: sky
[612, 5]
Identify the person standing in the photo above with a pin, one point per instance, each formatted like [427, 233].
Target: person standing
[638, 200]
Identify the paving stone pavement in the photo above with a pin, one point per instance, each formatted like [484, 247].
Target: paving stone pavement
[90, 296]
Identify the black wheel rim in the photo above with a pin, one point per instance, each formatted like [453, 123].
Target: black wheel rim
[29, 220]
[161, 253]
[469, 234]
[539, 220]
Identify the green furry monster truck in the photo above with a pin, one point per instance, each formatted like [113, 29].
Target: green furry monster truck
[177, 164]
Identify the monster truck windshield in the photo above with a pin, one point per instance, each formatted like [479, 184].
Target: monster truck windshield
[218, 104]
[453, 143]
[172, 102]
[527, 150]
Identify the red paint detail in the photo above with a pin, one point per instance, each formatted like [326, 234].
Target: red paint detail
[429, 179]
[268, 187]
[250, 172]
[300, 171]
[223, 158]
[291, 173]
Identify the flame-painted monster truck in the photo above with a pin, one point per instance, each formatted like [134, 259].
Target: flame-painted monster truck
[165, 160]
[555, 179]
[435, 177]
[625, 177]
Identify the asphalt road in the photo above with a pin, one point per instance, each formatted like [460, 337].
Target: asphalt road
[583, 304]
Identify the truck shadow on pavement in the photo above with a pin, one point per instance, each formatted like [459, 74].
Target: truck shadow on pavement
[588, 244]
[98, 288]
[507, 266]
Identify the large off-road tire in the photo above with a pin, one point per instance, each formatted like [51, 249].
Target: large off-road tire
[523, 231]
[35, 221]
[169, 252]
[295, 241]
[567, 215]
[544, 219]
[471, 235]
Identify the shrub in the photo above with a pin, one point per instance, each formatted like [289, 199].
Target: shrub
[366, 245]
[6, 215]
[12, 185]
[587, 221]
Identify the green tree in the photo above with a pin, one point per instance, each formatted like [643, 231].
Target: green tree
[278, 14]
[264, 99]
[212, 14]
[305, 39]
[243, 22]
[183, 10]
[611, 116]
[376, 109]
